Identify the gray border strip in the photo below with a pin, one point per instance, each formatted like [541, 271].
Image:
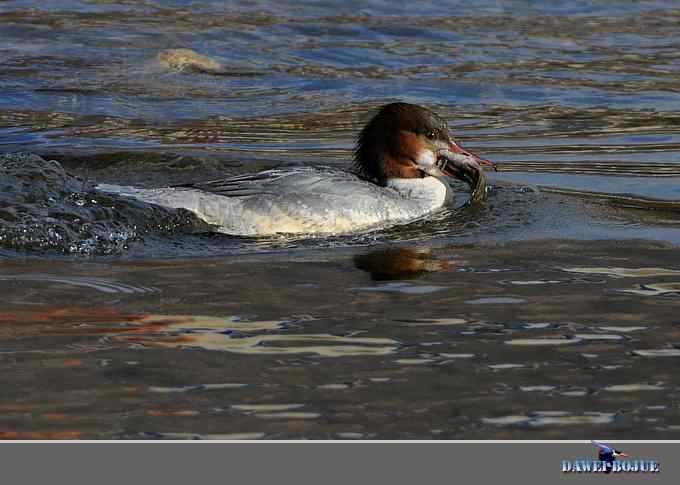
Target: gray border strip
[325, 463]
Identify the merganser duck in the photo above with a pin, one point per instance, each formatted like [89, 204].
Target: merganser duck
[401, 161]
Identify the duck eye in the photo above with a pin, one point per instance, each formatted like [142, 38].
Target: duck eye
[432, 135]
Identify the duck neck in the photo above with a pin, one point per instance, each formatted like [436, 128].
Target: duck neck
[432, 190]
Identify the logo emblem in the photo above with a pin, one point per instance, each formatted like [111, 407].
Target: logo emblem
[609, 460]
[608, 455]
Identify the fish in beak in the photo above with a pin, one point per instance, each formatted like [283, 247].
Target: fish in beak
[463, 165]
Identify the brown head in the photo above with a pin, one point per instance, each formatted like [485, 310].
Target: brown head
[408, 141]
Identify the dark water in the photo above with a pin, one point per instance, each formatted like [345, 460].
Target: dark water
[548, 312]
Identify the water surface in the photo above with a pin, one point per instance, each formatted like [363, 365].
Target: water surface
[546, 313]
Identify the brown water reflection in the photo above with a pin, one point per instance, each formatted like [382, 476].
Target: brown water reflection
[401, 263]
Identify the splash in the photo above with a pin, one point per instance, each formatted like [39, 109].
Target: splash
[42, 208]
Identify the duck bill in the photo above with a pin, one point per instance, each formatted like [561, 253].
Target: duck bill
[466, 166]
[455, 150]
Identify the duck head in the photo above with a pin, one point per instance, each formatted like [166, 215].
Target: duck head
[404, 141]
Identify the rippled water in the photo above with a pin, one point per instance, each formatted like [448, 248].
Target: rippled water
[547, 312]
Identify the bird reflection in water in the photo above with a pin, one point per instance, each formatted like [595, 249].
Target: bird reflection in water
[401, 263]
